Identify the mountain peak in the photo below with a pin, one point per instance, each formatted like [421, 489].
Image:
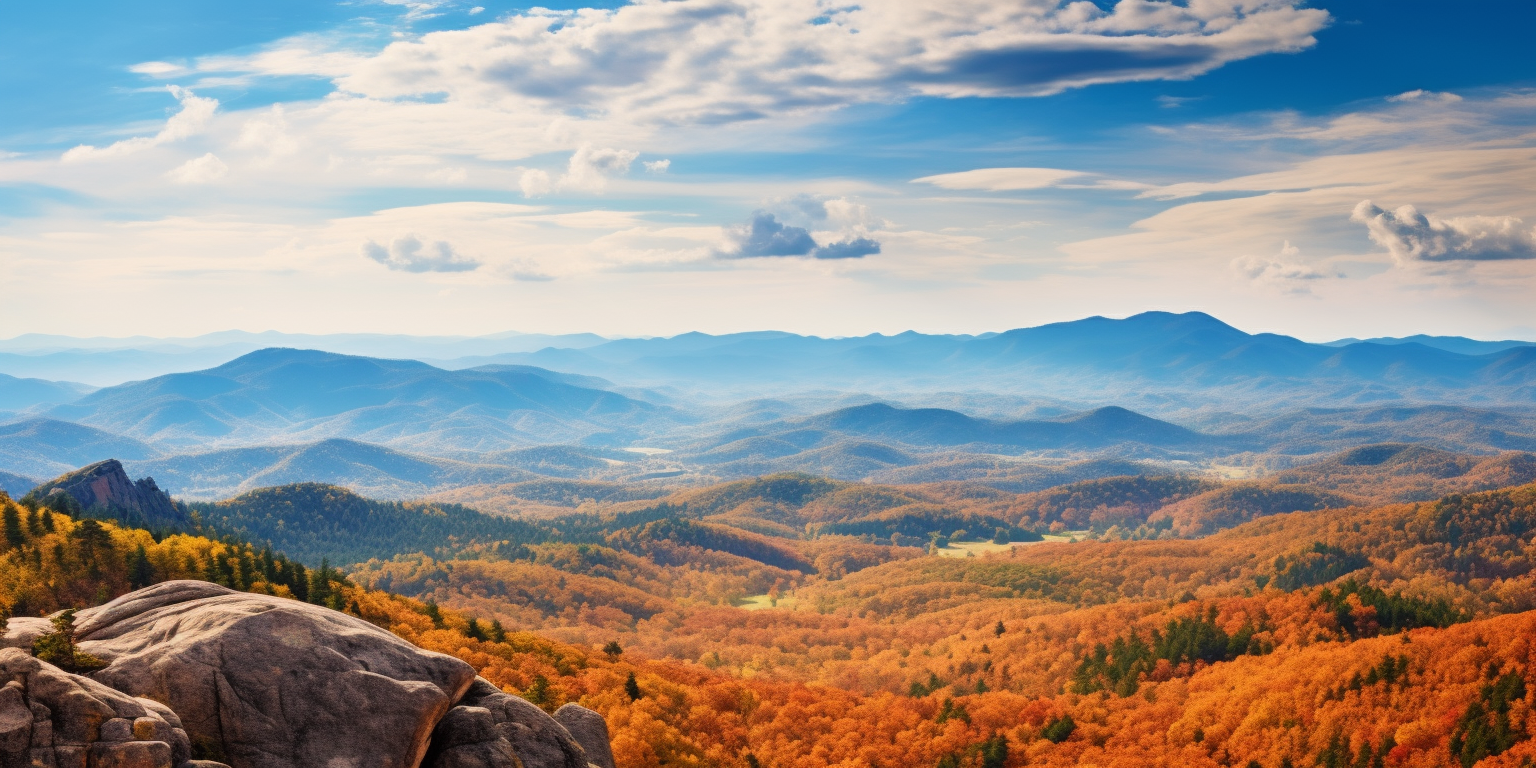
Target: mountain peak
[104, 487]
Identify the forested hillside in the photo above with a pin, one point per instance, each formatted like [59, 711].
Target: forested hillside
[1394, 635]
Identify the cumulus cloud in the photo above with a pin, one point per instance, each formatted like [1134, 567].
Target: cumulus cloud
[410, 254]
[855, 248]
[590, 168]
[1411, 236]
[199, 170]
[195, 113]
[657, 166]
[706, 62]
[535, 183]
[267, 133]
[765, 235]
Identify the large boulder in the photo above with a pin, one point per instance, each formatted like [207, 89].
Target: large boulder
[590, 730]
[50, 718]
[537, 739]
[265, 682]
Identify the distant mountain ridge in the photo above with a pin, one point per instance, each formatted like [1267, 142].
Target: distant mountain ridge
[370, 470]
[287, 394]
[1144, 356]
[19, 394]
[1458, 344]
[49, 447]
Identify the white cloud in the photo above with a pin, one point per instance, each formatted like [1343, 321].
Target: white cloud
[409, 254]
[657, 166]
[1423, 95]
[589, 168]
[535, 183]
[195, 113]
[707, 62]
[1283, 270]
[199, 170]
[158, 69]
[268, 134]
[1001, 179]
[1411, 236]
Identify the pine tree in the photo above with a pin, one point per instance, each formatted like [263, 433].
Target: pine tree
[320, 584]
[58, 647]
[14, 536]
[632, 687]
[613, 649]
[140, 573]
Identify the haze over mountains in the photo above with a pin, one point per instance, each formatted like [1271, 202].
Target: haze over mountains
[1169, 389]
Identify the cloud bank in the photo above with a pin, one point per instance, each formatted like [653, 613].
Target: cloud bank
[708, 62]
[1411, 236]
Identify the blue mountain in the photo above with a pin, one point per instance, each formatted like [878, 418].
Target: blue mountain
[21, 394]
[290, 394]
[1096, 358]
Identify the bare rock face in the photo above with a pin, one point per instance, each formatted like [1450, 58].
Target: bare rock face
[265, 682]
[590, 730]
[106, 487]
[52, 719]
[486, 717]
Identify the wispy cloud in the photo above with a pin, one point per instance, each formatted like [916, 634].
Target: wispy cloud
[194, 115]
[708, 62]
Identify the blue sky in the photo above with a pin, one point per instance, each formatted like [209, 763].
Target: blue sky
[724, 165]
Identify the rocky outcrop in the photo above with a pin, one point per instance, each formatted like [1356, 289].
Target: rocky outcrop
[265, 682]
[50, 718]
[486, 718]
[105, 487]
[589, 730]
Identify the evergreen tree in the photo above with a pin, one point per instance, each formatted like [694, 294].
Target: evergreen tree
[632, 687]
[613, 649]
[140, 573]
[14, 536]
[320, 584]
[58, 647]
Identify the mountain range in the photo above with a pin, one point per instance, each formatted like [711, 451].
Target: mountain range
[103, 361]
[303, 395]
[1152, 360]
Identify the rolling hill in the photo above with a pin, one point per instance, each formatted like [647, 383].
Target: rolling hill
[856, 442]
[21, 394]
[367, 469]
[287, 394]
[16, 485]
[48, 447]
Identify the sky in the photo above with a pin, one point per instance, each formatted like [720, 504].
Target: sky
[1322, 169]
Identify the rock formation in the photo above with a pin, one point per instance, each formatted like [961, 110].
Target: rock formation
[265, 682]
[51, 718]
[105, 487]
